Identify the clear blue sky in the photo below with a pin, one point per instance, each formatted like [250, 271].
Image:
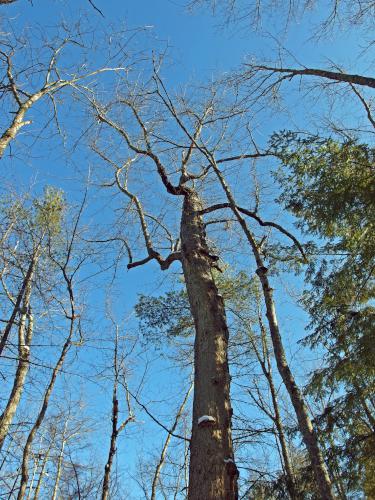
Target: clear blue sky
[198, 51]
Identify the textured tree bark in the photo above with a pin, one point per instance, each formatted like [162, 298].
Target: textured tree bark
[213, 474]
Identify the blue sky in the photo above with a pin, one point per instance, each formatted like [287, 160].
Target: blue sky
[198, 51]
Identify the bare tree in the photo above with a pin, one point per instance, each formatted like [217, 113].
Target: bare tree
[90, 2]
[288, 74]
[163, 453]
[308, 432]
[332, 14]
[211, 409]
[119, 377]
[26, 85]
[68, 271]
[213, 473]
[36, 228]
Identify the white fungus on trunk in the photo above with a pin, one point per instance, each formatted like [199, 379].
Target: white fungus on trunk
[206, 418]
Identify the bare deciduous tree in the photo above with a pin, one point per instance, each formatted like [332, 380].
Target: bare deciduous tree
[210, 442]
[26, 85]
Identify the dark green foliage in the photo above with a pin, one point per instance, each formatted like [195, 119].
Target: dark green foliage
[330, 188]
[165, 316]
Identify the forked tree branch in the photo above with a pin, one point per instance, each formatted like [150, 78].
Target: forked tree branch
[152, 253]
[261, 222]
[175, 190]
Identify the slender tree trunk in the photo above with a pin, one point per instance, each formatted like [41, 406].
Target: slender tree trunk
[58, 472]
[26, 282]
[290, 479]
[35, 468]
[112, 448]
[40, 418]
[24, 342]
[213, 474]
[305, 426]
[265, 363]
[59, 462]
[166, 444]
[116, 429]
[304, 422]
[267, 371]
[41, 474]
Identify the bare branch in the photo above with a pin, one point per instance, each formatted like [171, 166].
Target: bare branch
[330, 75]
[365, 105]
[220, 206]
[156, 420]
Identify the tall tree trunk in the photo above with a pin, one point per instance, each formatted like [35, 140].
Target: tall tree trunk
[304, 422]
[213, 474]
[116, 429]
[60, 461]
[112, 447]
[290, 479]
[42, 473]
[265, 363]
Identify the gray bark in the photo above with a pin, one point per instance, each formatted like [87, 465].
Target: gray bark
[276, 417]
[42, 474]
[25, 334]
[41, 415]
[322, 73]
[304, 422]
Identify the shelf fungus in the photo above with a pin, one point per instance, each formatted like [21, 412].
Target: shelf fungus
[206, 421]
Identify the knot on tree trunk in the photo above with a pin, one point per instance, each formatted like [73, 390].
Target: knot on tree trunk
[262, 271]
